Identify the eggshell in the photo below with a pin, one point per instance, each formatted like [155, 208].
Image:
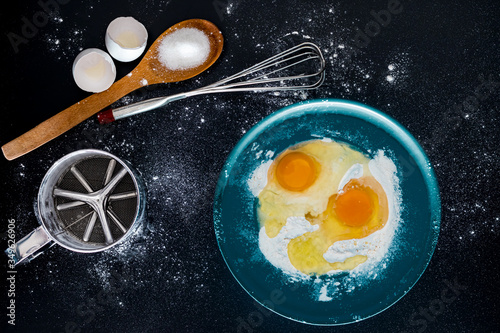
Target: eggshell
[94, 70]
[126, 38]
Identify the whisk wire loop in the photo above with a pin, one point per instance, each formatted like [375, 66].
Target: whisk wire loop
[301, 67]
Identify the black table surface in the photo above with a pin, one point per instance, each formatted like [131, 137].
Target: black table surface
[433, 66]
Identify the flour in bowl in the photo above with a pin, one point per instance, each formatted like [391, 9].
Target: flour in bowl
[374, 246]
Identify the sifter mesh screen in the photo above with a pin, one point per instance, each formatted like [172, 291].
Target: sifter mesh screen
[91, 175]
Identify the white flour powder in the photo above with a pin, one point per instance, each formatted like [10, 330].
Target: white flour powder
[374, 246]
[276, 249]
[258, 179]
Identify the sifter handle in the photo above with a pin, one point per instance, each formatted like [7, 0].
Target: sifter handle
[29, 247]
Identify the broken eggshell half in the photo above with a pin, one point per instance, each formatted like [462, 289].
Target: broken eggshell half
[94, 70]
[126, 38]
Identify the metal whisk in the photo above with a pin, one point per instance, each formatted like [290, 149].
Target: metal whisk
[298, 68]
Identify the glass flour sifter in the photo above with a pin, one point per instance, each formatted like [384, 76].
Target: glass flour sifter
[88, 201]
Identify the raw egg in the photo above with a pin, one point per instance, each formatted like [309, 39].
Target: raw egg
[309, 180]
[296, 171]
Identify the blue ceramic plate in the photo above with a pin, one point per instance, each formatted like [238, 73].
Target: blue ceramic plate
[348, 299]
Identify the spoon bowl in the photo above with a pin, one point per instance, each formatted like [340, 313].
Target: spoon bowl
[158, 73]
[149, 71]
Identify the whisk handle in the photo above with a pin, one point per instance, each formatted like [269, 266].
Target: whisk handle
[110, 115]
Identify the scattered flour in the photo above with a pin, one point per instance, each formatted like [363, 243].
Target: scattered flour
[323, 297]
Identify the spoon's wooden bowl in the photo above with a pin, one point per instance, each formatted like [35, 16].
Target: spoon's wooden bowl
[151, 67]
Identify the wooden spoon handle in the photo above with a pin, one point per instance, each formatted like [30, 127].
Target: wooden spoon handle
[70, 117]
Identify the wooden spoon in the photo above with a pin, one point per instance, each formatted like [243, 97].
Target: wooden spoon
[149, 69]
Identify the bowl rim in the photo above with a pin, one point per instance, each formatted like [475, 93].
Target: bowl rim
[352, 109]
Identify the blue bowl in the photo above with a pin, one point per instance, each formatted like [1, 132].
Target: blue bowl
[237, 227]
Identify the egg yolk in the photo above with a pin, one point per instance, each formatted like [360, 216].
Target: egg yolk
[360, 210]
[296, 171]
[354, 207]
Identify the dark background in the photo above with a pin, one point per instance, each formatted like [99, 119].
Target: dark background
[171, 277]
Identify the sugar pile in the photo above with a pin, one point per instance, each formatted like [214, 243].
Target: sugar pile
[184, 49]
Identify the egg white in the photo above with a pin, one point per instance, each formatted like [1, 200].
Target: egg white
[374, 246]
